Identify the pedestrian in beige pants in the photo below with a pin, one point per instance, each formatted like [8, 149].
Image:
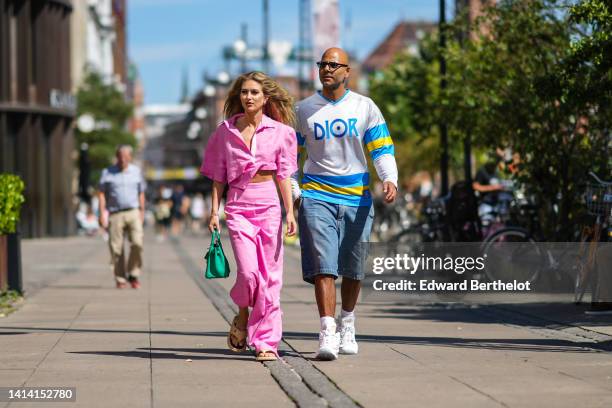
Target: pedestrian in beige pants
[122, 195]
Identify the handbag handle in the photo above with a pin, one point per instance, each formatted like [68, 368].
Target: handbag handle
[216, 237]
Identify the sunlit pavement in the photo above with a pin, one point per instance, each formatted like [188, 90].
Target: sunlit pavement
[164, 345]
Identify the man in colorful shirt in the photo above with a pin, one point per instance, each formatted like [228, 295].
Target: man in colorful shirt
[337, 128]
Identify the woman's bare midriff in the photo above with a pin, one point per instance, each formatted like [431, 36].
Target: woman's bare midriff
[263, 175]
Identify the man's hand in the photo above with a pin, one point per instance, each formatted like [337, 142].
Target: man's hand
[390, 191]
[142, 216]
[103, 220]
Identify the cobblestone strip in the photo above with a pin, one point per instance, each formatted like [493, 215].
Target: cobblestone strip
[299, 379]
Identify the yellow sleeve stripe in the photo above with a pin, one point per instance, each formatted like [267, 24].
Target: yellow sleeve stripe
[357, 190]
[375, 144]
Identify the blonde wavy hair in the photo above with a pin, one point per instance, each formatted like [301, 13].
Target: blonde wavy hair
[279, 106]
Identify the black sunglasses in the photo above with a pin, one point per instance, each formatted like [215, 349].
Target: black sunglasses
[333, 65]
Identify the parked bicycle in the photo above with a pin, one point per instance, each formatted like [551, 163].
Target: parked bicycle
[451, 218]
[390, 219]
[517, 254]
[598, 199]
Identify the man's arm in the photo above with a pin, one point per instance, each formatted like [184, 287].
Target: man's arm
[296, 192]
[141, 205]
[486, 188]
[386, 168]
[102, 218]
[382, 152]
[482, 183]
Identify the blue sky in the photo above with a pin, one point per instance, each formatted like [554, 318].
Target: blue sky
[167, 37]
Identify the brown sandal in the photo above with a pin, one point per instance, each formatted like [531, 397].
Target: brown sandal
[266, 355]
[240, 335]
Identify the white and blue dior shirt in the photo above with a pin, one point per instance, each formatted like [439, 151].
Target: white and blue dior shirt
[335, 135]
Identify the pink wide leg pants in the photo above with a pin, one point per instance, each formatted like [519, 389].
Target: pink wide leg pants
[254, 222]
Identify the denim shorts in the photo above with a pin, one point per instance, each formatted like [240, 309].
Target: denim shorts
[334, 239]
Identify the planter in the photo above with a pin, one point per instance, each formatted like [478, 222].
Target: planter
[3, 263]
[13, 247]
[11, 199]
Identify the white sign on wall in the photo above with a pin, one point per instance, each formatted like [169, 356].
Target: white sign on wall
[62, 100]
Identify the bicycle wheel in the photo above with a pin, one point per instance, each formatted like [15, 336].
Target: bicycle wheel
[407, 241]
[408, 236]
[386, 225]
[511, 253]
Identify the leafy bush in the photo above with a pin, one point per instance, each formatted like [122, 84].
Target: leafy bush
[11, 198]
[107, 105]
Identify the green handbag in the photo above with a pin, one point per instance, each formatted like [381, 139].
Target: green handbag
[216, 262]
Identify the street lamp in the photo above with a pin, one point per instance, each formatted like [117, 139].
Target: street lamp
[194, 130]
[240, 48]
[201, 113]
[209, 91]
[86, 123]
[223, 78]
[266, 37]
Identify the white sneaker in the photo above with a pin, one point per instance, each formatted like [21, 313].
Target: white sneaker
[329, 342]
[348, 344]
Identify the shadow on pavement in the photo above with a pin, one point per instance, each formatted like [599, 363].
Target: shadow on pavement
[543, 345]
[539, 314]
[60, 330]
[173, 354]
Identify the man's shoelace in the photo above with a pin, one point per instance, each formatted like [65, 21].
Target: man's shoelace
[327, 338]
[347, 330]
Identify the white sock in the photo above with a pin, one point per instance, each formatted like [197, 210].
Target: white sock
[344, 314]
[328, 323]
[347, 318]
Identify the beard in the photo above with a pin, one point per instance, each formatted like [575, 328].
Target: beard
[335, 85]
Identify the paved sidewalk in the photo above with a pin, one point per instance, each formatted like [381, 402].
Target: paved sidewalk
[165, 344]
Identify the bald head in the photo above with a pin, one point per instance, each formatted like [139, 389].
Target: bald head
[334, 72]
[335, 54]
[124, 156]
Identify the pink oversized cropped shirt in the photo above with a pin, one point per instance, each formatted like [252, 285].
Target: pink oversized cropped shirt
[228, 159]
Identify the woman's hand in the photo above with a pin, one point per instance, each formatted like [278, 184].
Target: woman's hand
[213, 223]
[291, 224]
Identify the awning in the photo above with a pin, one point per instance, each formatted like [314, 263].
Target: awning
[180, 173]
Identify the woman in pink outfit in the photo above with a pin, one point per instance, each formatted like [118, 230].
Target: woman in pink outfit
[254, 144]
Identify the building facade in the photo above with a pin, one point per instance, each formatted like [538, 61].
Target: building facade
[474, 9]
[37, 107]
[404, 37]
[99, 42]
[120, 54]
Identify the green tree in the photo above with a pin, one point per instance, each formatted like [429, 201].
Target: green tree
[109, 108]
[509, 85]
[535, 79]
[590, 59]
[408, 94]
[587, 72]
